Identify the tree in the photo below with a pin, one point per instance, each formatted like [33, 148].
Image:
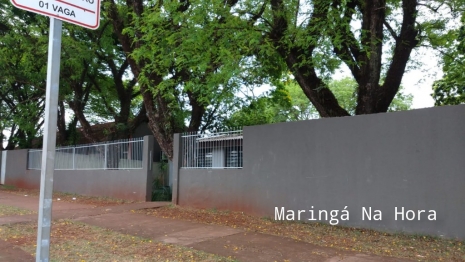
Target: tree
[94, 80]
[185, 62]
[102, 89]
[345, 91]
[22, 82]
[450, 90]
[301, 109]
[373, 38]
[187, 58]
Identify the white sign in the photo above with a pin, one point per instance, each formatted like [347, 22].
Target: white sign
[84, 13]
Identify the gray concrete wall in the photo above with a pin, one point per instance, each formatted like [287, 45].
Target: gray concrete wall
[135, 184]
[15, 167]
[410, 159]
[2, 170]
[143, 130]
[123, 184]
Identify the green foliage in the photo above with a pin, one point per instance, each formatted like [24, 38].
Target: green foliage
[345, 92]
[450, 90]
[301, 109]
[189, 59]
[272, 107]
[193, 51]
[401, 102]
[287, 102]
[99, 84]
[94, 79]
[312, 39]
[23, 62]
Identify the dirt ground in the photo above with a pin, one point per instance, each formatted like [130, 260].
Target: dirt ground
[101, 229]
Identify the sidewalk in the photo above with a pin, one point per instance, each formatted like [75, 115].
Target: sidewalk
[208, 238]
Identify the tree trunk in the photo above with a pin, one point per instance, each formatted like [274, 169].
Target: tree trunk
[314, 88]
[365, 58]
[162, 122]
[62, 136]
[370, 64]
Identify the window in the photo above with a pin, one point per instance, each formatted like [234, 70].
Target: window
[234, 157]
[205, 158]
[222, 157]
[212, 150]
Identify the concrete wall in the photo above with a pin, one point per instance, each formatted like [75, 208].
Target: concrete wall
[412, 159]
[144, 130]
[135, 184]
[2, 167]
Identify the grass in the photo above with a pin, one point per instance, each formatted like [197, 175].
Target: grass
[74, 241]
[7, 187]
[69, 197]
[13, 211]
[419, 248]
[10, 210]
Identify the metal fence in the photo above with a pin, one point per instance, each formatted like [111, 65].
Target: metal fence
[121, 154]
[212, 150]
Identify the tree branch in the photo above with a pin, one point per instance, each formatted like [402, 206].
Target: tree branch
[391, 31]
[404, 45]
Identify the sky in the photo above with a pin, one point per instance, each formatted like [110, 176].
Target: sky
[419, 82]
[420, 86]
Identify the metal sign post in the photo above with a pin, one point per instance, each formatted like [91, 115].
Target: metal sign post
[48, 150]
[85, 13]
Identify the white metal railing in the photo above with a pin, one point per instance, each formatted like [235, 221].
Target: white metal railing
[121, 154]
[212, 150]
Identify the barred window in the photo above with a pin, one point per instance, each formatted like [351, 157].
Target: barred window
[234, 157]
[212, 150]
[205, 157]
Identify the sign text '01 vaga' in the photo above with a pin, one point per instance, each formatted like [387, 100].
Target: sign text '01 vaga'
[85, 13]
